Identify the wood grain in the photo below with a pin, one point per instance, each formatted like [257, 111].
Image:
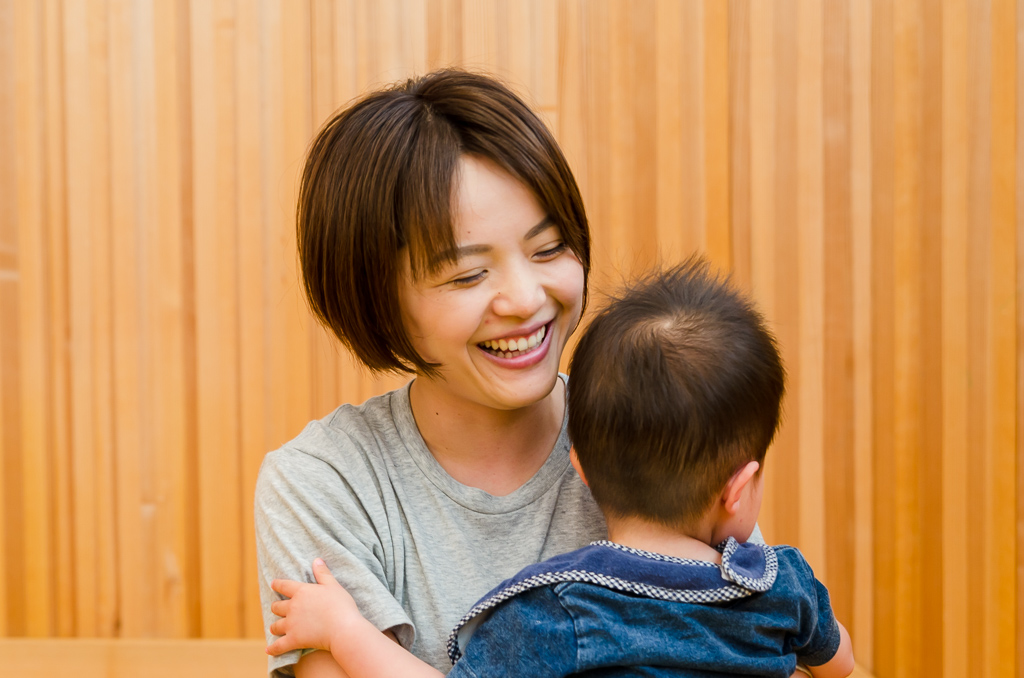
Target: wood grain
[955, 373]
[855, 165]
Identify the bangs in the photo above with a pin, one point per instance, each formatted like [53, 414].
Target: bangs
[425, 193]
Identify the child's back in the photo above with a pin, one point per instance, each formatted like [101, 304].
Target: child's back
[674, 397]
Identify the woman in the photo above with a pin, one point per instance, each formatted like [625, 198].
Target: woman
[441, 233]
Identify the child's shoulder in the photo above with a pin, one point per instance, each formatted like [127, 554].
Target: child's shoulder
[795, 575]
[790, 555]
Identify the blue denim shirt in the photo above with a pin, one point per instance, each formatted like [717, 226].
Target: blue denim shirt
[609, 610]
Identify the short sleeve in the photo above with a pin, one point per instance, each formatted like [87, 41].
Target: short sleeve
[530, 635]
[306, 507]
[818, 638]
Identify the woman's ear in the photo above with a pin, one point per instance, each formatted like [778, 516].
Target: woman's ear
[733, 492]
[575, 461]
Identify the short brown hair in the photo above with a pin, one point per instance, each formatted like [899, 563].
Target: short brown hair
[674, 386]
[380, 176]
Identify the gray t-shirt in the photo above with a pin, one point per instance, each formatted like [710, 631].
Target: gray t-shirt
[414, 547]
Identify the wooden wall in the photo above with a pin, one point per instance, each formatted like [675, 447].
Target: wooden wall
[855, 163]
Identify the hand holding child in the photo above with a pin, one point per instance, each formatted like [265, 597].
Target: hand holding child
[324, 616]
[313, 614]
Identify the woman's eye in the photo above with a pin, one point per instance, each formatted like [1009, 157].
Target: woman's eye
[469, 279]
[551, 252]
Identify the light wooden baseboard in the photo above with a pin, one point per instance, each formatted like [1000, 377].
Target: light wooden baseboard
[135, 658]
[132, 658]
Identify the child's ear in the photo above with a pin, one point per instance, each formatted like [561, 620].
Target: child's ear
[575, 461]
[733, 492]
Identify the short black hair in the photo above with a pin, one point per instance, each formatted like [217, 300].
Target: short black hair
[674, 386]
[380, 178]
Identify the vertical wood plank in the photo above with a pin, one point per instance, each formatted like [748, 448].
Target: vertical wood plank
[595, 30]
[739, 140]
[811, 292]
[163, 107]
[955, 442]
[862, 621]
[715, 98]
[278, 177]
[10, 442]
[59, 321]
[1001, 617]
[694, 150]
[979, 196]
[883, 363]
[102, 321]
[1019, 669]
[929, 352]
[32, 344]
[444, 33]
[515, 40]
[137, 604]
[669, 194]
[643, 216]
[837, 275]
[544, 46]
[907, 324]
[88, 169]
[213, 30]
[295, 133]
[327, 373]
[78, 141]
[620, 137]
[762, 212]
[479, 35]
[789, 504]
[251, 304]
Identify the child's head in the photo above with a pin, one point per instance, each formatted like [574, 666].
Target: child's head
[675, 386]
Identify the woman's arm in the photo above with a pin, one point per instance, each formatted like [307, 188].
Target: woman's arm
[292, 528]
[325, 616]
[321, 664]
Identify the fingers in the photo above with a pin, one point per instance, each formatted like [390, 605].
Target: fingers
[280, 646]
[323, 573]
[280, 607]
[286, 587]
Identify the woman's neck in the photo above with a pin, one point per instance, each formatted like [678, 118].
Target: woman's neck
[494, 450]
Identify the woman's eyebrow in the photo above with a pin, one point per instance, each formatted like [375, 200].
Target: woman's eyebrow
[453, 255]
[469, 250]
[544, 225]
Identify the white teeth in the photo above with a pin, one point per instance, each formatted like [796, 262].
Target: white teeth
[508, 347]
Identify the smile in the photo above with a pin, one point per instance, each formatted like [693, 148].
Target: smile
[512, 347]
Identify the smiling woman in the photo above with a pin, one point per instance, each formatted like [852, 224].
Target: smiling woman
[441, 233]
[512, 280]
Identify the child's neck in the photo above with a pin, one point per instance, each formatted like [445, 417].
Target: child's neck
[657, 538]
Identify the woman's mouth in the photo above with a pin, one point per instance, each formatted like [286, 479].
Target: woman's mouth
[513, 347]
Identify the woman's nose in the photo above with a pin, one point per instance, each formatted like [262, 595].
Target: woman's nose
[520, 295]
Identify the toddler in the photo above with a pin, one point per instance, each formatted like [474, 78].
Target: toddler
[674, 397]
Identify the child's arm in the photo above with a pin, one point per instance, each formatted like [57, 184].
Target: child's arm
[324, 616]
[841, 664]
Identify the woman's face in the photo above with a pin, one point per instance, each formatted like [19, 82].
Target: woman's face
[498, 316]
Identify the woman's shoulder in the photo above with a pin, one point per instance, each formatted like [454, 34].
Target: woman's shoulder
[350, 436]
